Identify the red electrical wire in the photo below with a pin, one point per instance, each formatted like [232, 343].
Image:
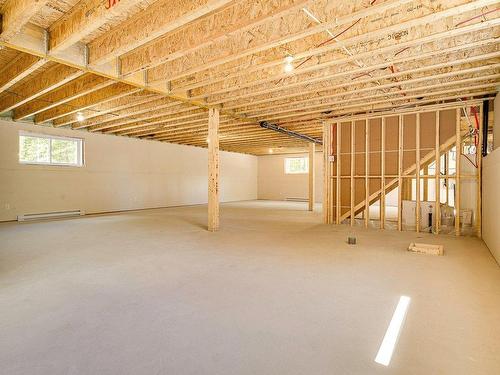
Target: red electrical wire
[479, 16]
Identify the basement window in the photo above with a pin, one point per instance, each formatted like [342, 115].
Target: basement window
[296, 165]
[50, 150]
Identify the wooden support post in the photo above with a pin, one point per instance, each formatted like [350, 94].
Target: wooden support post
[367, 173]
[438, 181]
[338, 211]
[353, 145]
[213, 169]
[458, 153]
[326, 173]
[312, 150]
[479, 150]
[400, 172]
[446, 160]
[426, 184]
[417, 176]
[382, 182]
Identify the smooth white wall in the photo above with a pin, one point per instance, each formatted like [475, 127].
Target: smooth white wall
[274, 184]
[496, 126]
[491, 202]
[120, 173]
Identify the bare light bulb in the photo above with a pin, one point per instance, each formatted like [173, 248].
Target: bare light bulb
[288, 68]
[80, 117]
[289, 59]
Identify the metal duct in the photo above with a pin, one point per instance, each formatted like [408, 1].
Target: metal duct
[279, 129]
[486, 109]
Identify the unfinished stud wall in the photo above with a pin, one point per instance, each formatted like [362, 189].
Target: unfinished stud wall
[377, 156]
[119, 174]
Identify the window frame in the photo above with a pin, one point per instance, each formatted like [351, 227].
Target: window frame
[296, 157]
[80, 149]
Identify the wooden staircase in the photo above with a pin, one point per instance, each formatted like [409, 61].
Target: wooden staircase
[425, 161]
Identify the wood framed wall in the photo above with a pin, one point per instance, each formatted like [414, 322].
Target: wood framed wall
[368, 156]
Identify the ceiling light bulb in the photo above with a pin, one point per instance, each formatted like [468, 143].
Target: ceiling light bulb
[270, 150]
[80, 117]
[288, 68]
[289, 59]
[208, 140]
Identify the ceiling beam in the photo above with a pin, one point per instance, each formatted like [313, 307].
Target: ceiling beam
[370, 28]
[159, 18]
[76, 88]
[230, 22]
[138, 98]
[84, 18]
[42, 83]
[103, 95]
[143, 117]
[372, 60]
[124, 114]
[15, 14]
[285, 29]
[19, 68]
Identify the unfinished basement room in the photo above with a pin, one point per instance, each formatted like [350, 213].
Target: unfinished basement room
[249, 187]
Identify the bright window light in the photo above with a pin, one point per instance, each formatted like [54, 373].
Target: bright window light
[296, 165]
[384, 354]
[50, 150]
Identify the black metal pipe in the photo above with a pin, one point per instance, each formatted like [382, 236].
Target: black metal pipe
[279, 129]
[486, 110]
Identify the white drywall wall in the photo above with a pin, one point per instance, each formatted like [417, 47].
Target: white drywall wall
[274, 184]
[120, 173]
[491, 202]
[496, 126]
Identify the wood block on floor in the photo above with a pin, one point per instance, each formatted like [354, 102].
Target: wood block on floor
[426, 248]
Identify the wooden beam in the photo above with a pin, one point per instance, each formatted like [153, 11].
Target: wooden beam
[100, 96]
[338, 203]
[78, 87]
[339, 67]
[479, 150]
[417, 174]
[291, 29]
[156, 20]
[19, 68]
[139, 98]
[400, 172]
[355, 88]
[42, 83]
[437, 42]
[325, 175]
[367, 172]
[213, 169]
[232, 22]
[122, 116]
[15, 14]
[326, 172]
[458, 156]
[312, 158]
[353, 187]
[382, 172]
[437, 210]
[84, 18]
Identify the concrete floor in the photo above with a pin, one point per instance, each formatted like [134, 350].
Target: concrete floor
[274, 292]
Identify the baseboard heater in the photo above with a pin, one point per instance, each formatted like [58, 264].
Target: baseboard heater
[297, 199]
[50, 215]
